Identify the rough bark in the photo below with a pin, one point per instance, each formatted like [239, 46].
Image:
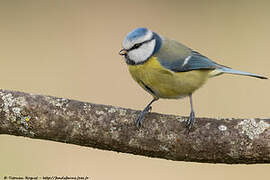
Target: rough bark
[112, 128]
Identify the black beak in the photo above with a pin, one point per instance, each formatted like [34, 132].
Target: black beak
[123, 52]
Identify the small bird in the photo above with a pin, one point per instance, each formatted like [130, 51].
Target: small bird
[168, 69]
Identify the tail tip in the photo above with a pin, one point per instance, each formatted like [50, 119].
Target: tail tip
[263, 77]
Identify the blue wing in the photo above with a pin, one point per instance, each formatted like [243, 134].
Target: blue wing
[179, 58]
[196, 61]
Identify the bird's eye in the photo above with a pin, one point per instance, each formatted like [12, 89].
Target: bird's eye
[137, 45]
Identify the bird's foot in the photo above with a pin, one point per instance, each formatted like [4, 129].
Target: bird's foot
[141, 116]
[190, 120]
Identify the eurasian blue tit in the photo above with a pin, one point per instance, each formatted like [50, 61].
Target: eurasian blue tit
[168, 69]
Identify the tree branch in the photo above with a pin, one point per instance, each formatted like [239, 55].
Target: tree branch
[112, 128]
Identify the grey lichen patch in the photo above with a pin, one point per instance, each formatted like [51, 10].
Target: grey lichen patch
[61, 102]
[87, 107]
[20, 101]
[24, 126]
[16, 111]
[12, 119]
[141, 134]
[112, 110]
[123, 120]
[76, 128]
[10, 101]
[61, 105]
[20, 118]
[114, 133]
[181, 119]
[253, 129]
[222, 128]
[122, 112]
[163, 148]
[12, 106]
[70, 113]
[31, 133]
[233, 153]
[223, 119]
[23, 130]
[155, 126]
[133, 142]
[162, 119]
[52, 123]
[99, 112]
[58, 102]
[207, 125]
[113, 122]
[171, 137]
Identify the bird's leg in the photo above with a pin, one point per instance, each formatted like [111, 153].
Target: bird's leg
[145, 111]
[191, 118]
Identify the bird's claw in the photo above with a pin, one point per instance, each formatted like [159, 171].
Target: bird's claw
[141, 116]
[190, 120]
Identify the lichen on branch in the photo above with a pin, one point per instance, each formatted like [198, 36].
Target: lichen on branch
[112, 128]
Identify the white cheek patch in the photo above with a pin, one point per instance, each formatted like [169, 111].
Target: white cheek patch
[143, 52]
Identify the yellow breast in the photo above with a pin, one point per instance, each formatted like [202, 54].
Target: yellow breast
[163, 83]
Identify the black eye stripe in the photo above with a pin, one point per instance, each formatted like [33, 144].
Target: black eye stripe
[137, 45]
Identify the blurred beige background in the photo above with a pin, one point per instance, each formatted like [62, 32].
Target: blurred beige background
[70, 49]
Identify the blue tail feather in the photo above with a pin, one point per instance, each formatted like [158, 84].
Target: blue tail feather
[232, 71]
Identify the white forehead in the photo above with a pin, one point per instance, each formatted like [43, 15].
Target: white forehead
[137, 36]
